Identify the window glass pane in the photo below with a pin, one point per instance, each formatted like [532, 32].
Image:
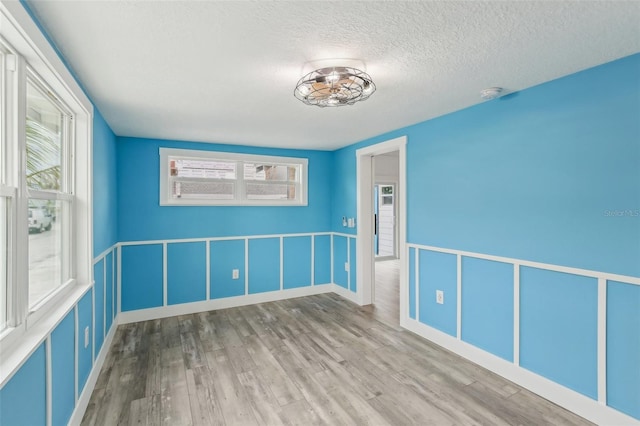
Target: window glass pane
[270, 191]
[45, 248]
[283, 173]
[210, 190]
[210, 169]
[4, 228]
[44, 136]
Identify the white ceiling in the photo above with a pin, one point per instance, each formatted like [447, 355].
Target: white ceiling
[225, 71]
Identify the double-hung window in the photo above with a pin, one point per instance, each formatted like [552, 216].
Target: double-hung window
[45, 182]
[192, 177]
[48, 144]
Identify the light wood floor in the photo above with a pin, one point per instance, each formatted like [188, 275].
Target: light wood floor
[386, 293]
[305, 361]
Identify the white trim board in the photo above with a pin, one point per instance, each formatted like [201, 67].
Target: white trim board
[627, 279]
[209, 239]
[588, 408]
[345, 293]
[365, 274]
[223, 303]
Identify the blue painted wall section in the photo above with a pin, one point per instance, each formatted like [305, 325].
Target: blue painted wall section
[85, 320]
[138, 191]
[23, 398]
[438, 271]
[322, 259]
[264, 265]
[141, 277]
[63, 370]
[623, 347]
[225, 257]
[343, 185]
[412, 283]
[537, 175]
[297, 262]
[186, 272]
[487, 306]
[340, 276]
[105, 199]
[98, 289]
[558, 328]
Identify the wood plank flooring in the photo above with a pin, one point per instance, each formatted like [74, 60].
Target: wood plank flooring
[316, 360]
[386, 292]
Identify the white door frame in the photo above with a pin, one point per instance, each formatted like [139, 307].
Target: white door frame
[365, 264]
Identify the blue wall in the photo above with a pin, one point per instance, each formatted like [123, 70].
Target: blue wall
[225, 257]
[186, 265]
[438, 272]
[142, 282]
[535, 175]
[487, 306]
[23, 398]
[322, 259]
[140, 217]
[559, 328]
[186, 272]
[105, 200]
[264, 265]
[296, 262]
[63, 359]
[340, 257]
[550, 174]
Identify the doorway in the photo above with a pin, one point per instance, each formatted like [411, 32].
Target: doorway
[384, 212]
[372, 172]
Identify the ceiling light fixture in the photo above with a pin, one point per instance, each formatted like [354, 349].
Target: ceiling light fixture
[491, 93]
[334, 86]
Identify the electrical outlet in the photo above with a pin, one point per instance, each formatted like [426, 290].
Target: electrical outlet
[235, 274]
[440, 297]
[346, 266]
[86, 337]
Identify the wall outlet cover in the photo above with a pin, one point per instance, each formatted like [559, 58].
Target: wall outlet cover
[440, 297]
[235, 274]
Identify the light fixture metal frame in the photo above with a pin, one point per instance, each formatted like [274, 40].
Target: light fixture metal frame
[334, 86]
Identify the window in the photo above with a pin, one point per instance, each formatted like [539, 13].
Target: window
[7, 194]
[45, 181]
[50, 199]
[189, 177]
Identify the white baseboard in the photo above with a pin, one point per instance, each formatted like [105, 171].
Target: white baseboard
[85, 396]
[223, 303]
[346, 293]
[573, 401]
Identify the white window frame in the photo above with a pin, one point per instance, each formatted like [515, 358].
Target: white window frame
[30, 50]
[65, 194]
[240, 198]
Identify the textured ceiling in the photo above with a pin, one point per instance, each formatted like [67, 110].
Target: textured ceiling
[225, 71]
